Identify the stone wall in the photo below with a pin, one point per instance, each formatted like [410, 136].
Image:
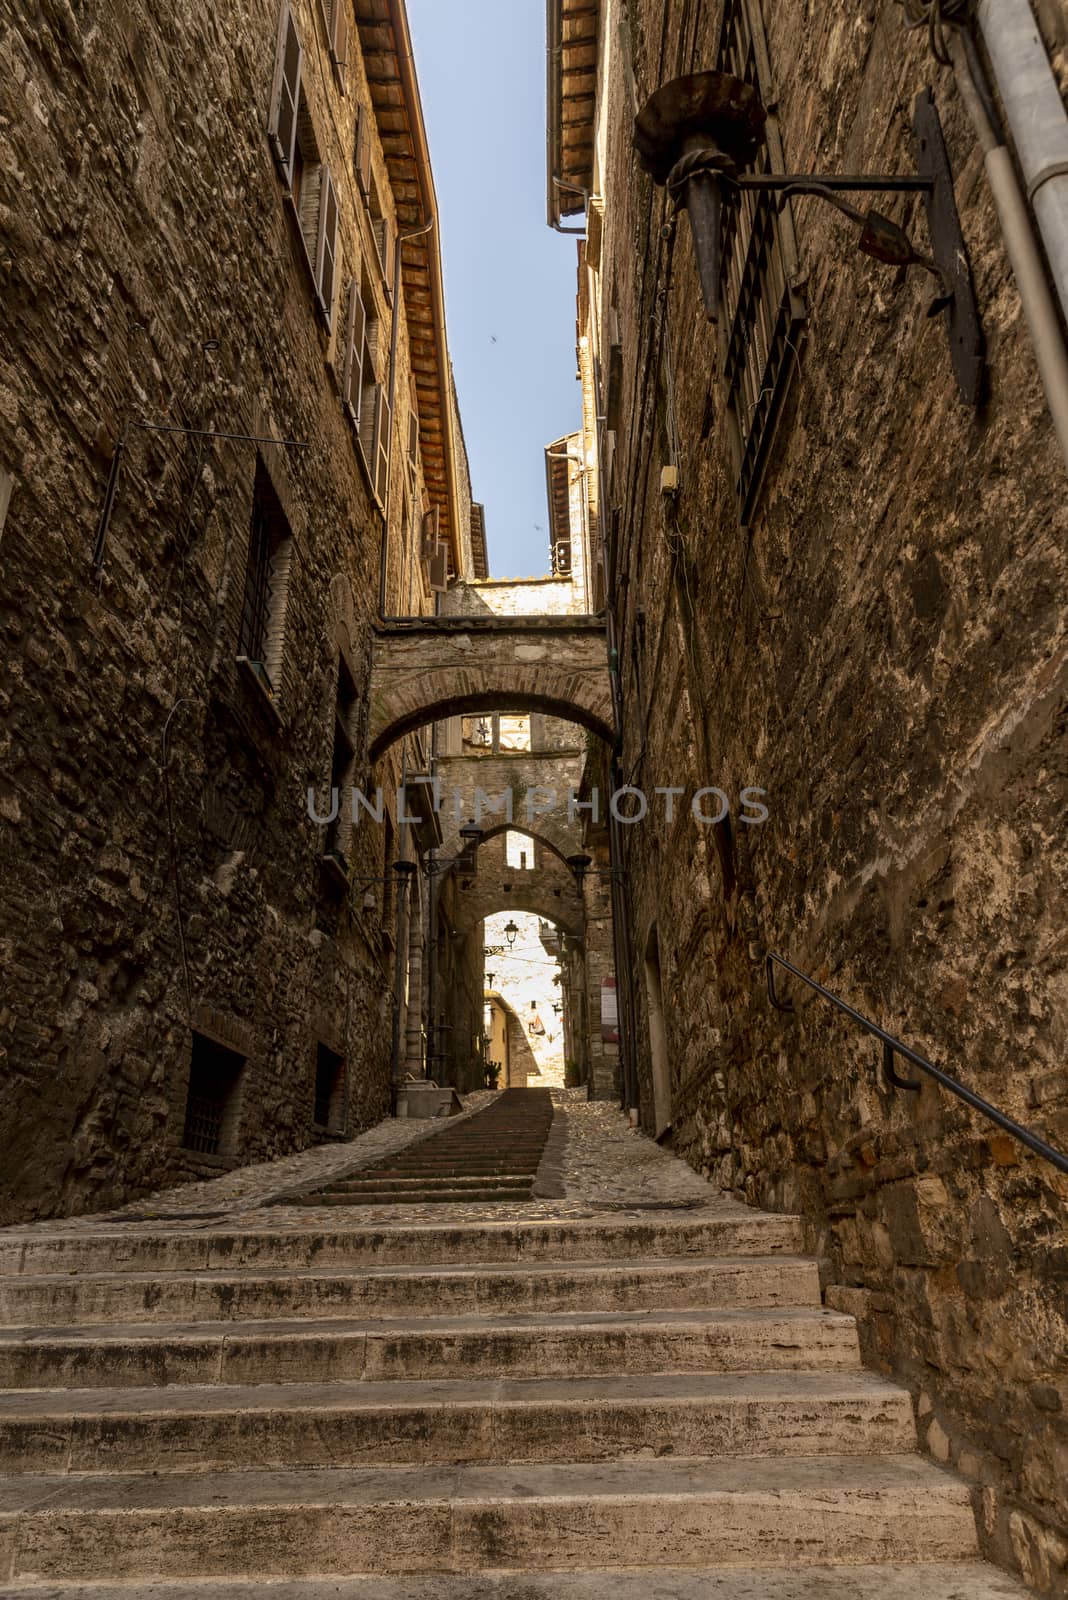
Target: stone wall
[159, 871]
[882, 647]
[514, 597]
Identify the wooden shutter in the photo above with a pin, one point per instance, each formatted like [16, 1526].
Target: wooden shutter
[326, 245]
[387, 250]
[431, 527]
[339, 41]
[439, 569]
[369, 428]
[383, 435]
[355, 333]
[362, 159]
[286, 101]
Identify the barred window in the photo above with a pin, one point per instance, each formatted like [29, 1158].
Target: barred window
[213, 1098]
[763, 309]
[266, 581]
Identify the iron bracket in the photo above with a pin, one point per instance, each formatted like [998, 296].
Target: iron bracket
[894, 1080]
[780, 1005]
[886, 241]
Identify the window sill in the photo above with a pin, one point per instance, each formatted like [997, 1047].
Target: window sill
[256, 675]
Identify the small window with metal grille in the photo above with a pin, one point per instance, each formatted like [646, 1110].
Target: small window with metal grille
[764, 310]
[329, 1109]
[213, 1099]
[261, 636]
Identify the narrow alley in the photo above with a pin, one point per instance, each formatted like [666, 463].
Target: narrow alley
[533, 778]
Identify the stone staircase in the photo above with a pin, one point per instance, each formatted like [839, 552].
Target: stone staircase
[494, 1156]
[652, 1408]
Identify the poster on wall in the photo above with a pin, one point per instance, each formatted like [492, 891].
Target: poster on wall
[609, 1012]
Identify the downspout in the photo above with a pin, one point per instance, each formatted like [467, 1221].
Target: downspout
[402, 239]
[1039, 307]
[1037, 119]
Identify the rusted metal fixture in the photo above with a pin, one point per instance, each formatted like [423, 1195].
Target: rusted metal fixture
[698, 134]
[692, 133]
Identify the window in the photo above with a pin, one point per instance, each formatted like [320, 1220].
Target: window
[514, 733]
[262, 634]
[328, 1112]
[335, 15]
[763, 312]
[519, 851]
[308, 181]
[366, 400]
[212, 1105]
[285, 101]
[363, 150]
[385, 238]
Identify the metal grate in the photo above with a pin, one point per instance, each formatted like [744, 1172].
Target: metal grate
[269, 528]
[203, 1124]
[214, 1081]
[764, 310]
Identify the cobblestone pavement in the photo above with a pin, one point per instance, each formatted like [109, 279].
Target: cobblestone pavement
[606, 1166]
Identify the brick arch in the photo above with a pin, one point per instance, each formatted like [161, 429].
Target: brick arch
[428, 669]
[547, 771]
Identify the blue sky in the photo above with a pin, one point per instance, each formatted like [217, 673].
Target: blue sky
[510, 281]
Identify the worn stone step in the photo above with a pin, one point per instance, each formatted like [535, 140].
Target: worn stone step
[215, 1428]
[950, 1580]
[384, 1291]
[743, 1340]
[452, 1180]
[723, 1229]
[420, 1196]
[734, 1512]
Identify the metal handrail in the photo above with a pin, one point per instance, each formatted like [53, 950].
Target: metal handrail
[893, 1047]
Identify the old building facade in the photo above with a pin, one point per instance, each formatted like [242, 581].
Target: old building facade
[230, 441]
[830, 577]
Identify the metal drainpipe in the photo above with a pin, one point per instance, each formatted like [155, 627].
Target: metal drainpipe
[1039, 308]
[402, 239]
[1038, 121]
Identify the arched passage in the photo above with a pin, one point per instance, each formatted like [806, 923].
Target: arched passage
[427, 670]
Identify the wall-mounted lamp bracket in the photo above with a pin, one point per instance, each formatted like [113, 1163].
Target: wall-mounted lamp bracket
[697, 134]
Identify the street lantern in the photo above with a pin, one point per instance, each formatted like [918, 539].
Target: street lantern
[511, 933]
[580, 865]
[696, 137]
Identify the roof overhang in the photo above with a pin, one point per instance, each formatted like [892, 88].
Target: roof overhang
[559, 460]
[386, 42]
[573, 29]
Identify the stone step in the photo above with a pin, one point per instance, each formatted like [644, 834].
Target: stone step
[217, 1428]
[950, 1580]
[245, 1296]
[736, 1512]
[487, 1180]
[793, 1338]
[420, 1196]
[723, 1229]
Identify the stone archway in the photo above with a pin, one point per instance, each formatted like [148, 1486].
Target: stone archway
[427, 669]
